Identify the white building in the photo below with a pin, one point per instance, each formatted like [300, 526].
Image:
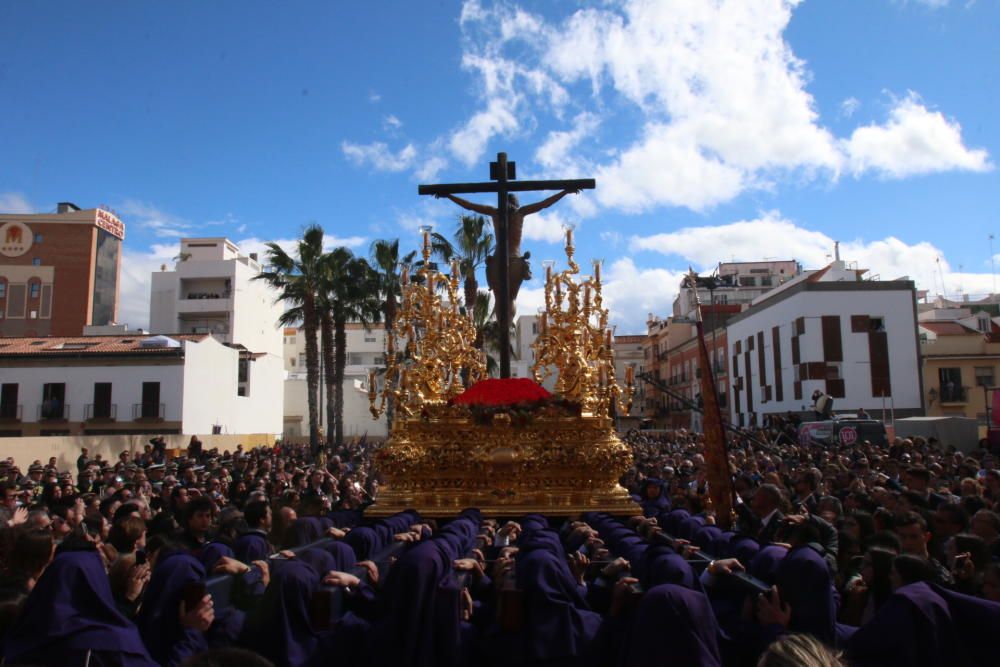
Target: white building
[135, 384]
[365, 350]
[735, 283]
[828, 330]
[211, 290]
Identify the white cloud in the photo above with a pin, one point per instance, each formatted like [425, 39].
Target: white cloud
[631, 293]
[374, 97]
[379, 157]
[469, 143]
[722, 100]
[549, 227]
[849, 106]
[390, 122]
[15, 202]
[554, 153]
[259, 246]
[148, 216]
[913, 141]
[136, 276]
[753, 240]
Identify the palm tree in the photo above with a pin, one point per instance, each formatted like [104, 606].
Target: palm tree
[384, 259]
[487, 330]
[298, 281]
[472, 243]
[350, 295]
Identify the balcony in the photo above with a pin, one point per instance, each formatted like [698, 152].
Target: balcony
[150, 412]
[50, 413]
[10, 413]
[100, 412]
[207, 305]
[953, 394]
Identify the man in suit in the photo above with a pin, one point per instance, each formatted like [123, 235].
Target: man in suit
[764, 516]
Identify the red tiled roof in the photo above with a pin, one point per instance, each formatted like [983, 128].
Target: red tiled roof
[630, 339]
[947, 328]
[96, 345]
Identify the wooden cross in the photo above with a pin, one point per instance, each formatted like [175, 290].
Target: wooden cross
[503, 175]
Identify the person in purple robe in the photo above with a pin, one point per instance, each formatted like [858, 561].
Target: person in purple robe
[70, 620]
[170, 630]
[421, 624]
[284, 630]
[559, 627]
[925, 625]
[653, 497]
[673, 625]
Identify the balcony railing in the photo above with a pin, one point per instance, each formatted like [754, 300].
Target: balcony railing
[100, 411]
[9, 412]
[148, 411]
[953, 394]
[53, 413]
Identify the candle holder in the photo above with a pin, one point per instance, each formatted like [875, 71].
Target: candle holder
[575, 339]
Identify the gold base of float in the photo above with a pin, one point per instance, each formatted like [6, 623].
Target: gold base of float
[555, 465]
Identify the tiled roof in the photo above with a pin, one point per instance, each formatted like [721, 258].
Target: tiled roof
[630, 339]
[87, 345]
[947, 328]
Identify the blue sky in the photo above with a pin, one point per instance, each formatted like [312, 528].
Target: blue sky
[715, 130]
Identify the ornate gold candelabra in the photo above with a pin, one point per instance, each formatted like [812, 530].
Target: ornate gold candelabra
[431, 344]
[575, 339]
[442, 457]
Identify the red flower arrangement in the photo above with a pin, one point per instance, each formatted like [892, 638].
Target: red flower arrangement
[520, 398]
[503, 391]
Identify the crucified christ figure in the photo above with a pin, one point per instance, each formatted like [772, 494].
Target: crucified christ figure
[518, 267]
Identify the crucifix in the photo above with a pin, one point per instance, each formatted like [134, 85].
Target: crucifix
[503, 175]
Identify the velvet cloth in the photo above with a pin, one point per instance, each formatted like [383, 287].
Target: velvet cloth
[365, 541]
[805, 583]
[421, 623]
[213, 553]
[71, 613]
[558, 625]
[922, 625]
[662, 565]
[168, 641]
[674, 625]
[251, 546]
[764, 565]
[282, 631]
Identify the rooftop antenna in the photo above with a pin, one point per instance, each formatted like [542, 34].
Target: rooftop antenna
[941, 275]
[836, 251]
[993, 267]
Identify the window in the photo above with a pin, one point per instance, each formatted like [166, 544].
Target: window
[984, 376]
[950, 389]
[748, 281]
[36, 261]
[8, 401]
[722, 298]
[765, 281]
[3, 289]
[534, 328]
[380, 360]
[291, 362]
[984, 323]
[35, 287]
[38, 238]
[149, 408]
[370, 339]
[354, 359]
[876, 324]
[243, 378]
[53, 400]
[302, 359]
[102, 401]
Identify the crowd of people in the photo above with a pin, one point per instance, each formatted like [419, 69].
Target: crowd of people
[853, 554]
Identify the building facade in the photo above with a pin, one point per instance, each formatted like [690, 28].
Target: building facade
[827, 331]
[960, 348]
[365, 350]
[135, 384]
[59, 272]
[212, 290]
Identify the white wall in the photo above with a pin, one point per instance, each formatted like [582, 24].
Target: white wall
[357, 418]
[895, 306]
[126, 386]
[255, 313]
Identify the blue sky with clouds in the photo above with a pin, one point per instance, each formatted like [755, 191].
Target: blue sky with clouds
[715, 130]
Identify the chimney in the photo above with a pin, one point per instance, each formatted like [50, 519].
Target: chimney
[66, 207]
[836, 251]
